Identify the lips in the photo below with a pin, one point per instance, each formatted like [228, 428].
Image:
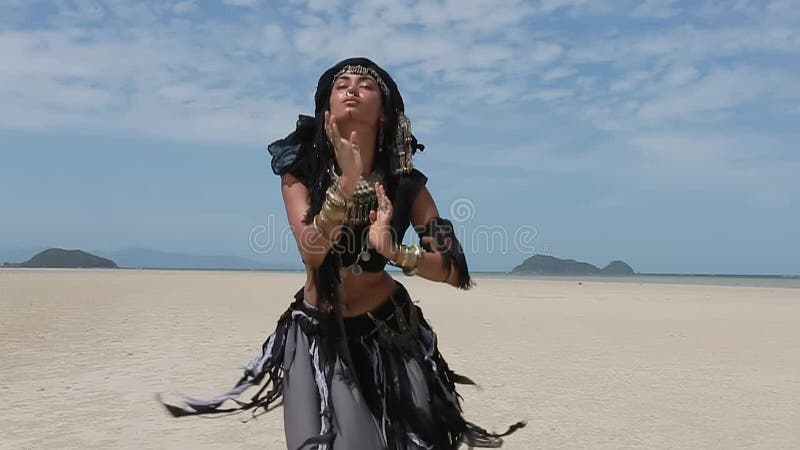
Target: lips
[350, 101]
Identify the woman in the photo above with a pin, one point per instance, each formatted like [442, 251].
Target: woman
[354, 359]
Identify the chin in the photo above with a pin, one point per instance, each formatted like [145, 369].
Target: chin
[355, 115]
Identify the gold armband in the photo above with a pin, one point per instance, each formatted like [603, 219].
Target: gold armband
[334, 209]
[318, 230]
[408, 257]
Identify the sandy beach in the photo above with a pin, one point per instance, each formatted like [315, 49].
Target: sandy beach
[599, 364]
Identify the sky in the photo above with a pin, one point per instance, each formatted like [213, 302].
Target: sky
[662, 133]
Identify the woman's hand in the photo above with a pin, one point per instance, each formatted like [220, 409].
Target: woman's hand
[380, 230]
[348, 154]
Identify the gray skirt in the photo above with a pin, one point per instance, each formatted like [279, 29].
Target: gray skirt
[390, 388]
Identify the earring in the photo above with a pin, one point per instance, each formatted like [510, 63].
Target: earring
[380, 137]
[401, 162]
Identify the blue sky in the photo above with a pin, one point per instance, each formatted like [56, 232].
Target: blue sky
[663, 133]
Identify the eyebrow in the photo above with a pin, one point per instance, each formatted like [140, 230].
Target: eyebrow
[358, 77]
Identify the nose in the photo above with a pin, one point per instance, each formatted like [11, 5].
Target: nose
[351, 92]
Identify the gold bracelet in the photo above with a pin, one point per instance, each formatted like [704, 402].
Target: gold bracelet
[338, 190]
[319, 231]
[335, 195]
[332, 216]
[408, 258]
[335, 203]
[331, 241]
[401, 255]
[335, 200]
[331, 222]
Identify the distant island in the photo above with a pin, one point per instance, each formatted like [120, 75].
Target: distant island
[144, 258]
[66, 259]
[550, 265]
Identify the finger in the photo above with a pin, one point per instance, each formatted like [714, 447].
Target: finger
[354, 142]
[328, 124]
[373, 216]
[335, 129]
[383, 200]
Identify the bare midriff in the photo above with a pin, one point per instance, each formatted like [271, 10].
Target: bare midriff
[363, 292]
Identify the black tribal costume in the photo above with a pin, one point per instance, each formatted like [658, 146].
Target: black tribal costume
[377, 380]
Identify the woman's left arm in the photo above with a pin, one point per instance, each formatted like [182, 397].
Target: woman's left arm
[443, 259]
[432, 264]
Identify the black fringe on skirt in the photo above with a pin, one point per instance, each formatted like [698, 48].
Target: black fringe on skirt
[381, 343]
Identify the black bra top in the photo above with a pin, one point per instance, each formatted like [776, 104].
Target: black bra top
[401, 190]
[289, 155]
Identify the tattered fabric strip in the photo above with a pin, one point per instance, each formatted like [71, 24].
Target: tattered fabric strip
[267, 364]
[390, 347]
[443, 239]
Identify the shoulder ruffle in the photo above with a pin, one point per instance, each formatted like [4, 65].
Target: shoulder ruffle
[288, 155]
[402, 193]
[410, 184]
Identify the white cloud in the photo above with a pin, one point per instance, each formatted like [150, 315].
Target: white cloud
[656, 9]
[687, 44]
[274, 39]
[550, 94]
[153, 83]
[574, 7]
[142, 70]
[630, 81]
[678, 76]
[720, 90]
[757, 167]
[184, 6]
[246, 3]
[545, 52]
[558, 73]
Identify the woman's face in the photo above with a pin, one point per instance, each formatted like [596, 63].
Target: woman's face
[358, 98]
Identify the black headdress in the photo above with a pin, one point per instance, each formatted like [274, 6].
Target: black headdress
[308, 154]
[297, 151]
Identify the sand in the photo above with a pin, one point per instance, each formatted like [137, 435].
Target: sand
[595, 365]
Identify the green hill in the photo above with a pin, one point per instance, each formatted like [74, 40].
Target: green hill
[60, 258]
[550, 265]
[617, 268]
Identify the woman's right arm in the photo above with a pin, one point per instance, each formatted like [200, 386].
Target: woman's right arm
[312, 245]
[314, 242]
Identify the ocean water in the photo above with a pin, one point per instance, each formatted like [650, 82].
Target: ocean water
[775, 281]
[771, 281]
